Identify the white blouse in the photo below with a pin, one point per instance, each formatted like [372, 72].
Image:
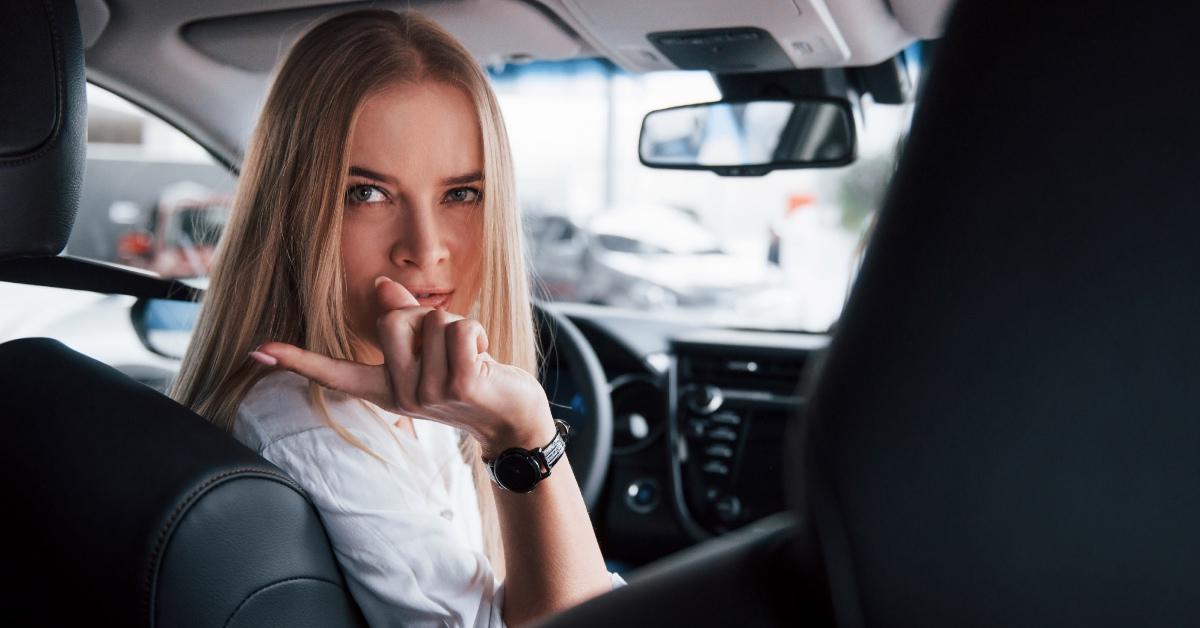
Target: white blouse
[407, 532]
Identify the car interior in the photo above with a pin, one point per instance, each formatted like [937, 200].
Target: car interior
[996, 431]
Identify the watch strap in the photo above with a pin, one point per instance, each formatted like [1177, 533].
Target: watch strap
[557, 446]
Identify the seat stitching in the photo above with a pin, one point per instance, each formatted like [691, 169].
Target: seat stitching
[155, 557]
[271, 585]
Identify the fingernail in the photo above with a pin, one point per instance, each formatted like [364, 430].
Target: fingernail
[263, 358]
[380, 279]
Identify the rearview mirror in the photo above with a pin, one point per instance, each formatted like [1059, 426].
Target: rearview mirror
[749, 138]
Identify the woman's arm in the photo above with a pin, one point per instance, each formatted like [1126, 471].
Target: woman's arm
[552, 557]
[436, 366]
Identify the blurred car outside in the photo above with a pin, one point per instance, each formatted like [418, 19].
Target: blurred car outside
[181, 235]
[644, 256]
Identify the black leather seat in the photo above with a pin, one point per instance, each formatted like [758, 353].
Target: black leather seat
[123, 508]
[1005, 431]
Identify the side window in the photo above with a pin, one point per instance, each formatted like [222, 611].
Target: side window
[152, 197]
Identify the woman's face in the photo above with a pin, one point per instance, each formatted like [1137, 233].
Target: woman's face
[413, 202]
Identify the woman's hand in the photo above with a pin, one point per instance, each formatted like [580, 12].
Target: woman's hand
[436, 366]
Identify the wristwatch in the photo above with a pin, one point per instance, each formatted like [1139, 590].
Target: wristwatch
[519, 470]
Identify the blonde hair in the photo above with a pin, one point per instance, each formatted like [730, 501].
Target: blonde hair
[278, 273]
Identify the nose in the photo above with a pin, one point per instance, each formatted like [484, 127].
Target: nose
[420, 241]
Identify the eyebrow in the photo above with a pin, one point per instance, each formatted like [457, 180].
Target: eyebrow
[359, 171]
[470, 177]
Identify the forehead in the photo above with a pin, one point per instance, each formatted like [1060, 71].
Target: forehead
[418, 133]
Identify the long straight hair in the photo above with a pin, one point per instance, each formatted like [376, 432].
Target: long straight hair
[278, 273]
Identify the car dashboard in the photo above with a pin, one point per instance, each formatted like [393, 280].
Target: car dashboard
[700, 426]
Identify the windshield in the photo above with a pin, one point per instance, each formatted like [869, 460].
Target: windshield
[771, 252]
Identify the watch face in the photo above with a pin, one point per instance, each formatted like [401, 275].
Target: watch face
[517, 472]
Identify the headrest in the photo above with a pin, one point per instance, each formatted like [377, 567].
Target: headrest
[43, 125]
[1005, 432]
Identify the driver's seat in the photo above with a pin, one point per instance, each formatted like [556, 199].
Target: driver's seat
[124, 508]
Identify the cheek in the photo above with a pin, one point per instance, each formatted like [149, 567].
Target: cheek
[353, 260]
[360, 259]
[466, 249]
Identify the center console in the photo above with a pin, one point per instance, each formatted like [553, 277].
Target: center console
[732, 397]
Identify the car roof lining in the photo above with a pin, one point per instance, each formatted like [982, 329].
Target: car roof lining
[200, 66]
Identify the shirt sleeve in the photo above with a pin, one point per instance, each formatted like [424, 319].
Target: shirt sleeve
[404, 564]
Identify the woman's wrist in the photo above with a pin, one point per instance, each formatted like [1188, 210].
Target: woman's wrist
[526, 434]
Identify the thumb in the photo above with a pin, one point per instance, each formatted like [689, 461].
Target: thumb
[392, 295]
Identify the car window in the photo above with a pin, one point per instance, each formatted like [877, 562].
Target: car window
[772, 252]
[152, 197]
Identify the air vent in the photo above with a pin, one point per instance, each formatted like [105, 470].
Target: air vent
[639, 407]
[779, 374]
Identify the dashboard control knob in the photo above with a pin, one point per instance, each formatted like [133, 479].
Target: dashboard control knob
[704, 399]
[728, 509]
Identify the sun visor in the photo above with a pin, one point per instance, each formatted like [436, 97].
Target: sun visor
[495, 31]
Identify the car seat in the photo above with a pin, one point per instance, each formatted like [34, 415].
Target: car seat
[124, 508]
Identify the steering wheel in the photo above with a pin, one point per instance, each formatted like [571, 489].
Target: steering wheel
[570, 367]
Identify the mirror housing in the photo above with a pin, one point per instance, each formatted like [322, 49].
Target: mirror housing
[164, 326]
[750, 137]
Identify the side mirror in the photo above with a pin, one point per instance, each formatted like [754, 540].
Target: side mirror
[164, 326]
[749, 138]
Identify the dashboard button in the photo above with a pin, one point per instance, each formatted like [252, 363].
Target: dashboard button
[728, 508]
[719, 451]
[727, 418]
[716, 468]
[722, 433]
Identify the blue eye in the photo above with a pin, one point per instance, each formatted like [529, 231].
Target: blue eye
[465, 195]
[363, 193]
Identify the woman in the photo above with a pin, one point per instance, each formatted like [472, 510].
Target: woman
[372, 268]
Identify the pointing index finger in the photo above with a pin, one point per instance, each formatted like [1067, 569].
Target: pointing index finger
[353, 378]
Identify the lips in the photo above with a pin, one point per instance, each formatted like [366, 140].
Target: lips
[435, 298]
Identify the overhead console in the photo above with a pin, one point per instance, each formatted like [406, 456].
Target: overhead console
[747, 35]
[731, 397]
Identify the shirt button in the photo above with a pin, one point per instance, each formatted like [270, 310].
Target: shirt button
[447, 514]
